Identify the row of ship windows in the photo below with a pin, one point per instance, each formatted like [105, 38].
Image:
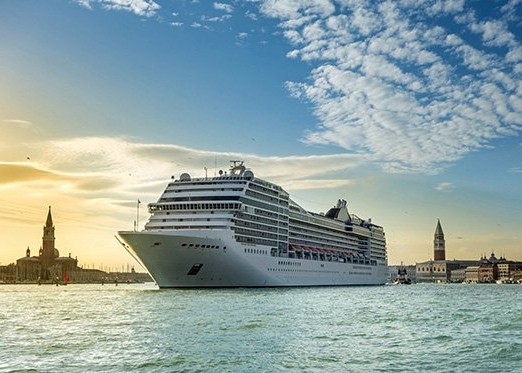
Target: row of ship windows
[185, 190]
[258, 241]
[265, 206]
[197, 246]
[264, 197]
[299, 226]
[196, 206]
[176, 227]
[331, 258]
[283, 263]
[253, 233]
[270, 214]
[264, 184]
[265, 190]
[261, 227]
[314, 222]
[298, 270]
[327, 244]
[259, 219]
[256, 251]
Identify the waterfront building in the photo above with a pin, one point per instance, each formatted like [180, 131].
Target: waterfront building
[8, 273]
[509, 270]
[458, 275]
[472, 274]
[493, 269]
[440, 269]
[488, 269]
[48, 265]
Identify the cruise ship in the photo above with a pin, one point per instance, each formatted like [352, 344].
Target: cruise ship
[237, 230]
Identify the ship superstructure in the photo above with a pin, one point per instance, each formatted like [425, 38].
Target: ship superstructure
[239, 230]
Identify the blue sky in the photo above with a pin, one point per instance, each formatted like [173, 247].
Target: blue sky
[410, 110]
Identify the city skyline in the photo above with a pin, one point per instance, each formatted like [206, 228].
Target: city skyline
[411, 111]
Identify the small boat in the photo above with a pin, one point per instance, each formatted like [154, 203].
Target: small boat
[402, 277]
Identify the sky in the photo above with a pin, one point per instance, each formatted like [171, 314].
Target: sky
[411, 110]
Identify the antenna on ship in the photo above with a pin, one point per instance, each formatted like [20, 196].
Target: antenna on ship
[137, 225]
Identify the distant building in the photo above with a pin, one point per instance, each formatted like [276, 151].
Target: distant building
[8, 273]
[472, 274]
[458, 275]
[439, 244]
[495, 269]
[509, 270]
[48, 265]
[440, 269]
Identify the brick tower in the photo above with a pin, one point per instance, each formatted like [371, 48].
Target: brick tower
[48, 249]
[439, 244]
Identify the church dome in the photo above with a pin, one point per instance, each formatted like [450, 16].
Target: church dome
[56, 253]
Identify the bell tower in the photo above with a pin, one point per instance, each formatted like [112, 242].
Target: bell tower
[439, 244]
[47, 256]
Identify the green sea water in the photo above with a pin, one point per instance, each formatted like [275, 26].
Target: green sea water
[138, 328]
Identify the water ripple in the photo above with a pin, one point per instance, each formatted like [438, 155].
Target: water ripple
[418, 328]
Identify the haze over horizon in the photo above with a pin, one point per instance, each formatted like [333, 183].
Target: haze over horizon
[409, 110]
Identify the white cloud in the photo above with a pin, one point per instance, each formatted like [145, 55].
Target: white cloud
[20, 122]
[224, 7]
[494, 33]
[391, 80]
[251, 15]
[85, 3]
[145, 8]
[291, 9]
[117, 167]
[222, 18]
[415, 84]
[444, 186]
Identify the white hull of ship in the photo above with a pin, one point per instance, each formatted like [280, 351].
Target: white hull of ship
[214, 259]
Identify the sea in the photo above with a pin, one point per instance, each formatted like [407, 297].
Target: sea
[140, 328]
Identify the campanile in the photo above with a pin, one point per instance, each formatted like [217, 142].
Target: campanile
[439, 244]
[48, 241]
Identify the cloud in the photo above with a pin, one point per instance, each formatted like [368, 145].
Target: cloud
[144, 8]
[12, 175]
[415, 85]
[222, 18]
[118, 168]
[444, 186]
[21, 122]
[224, 7]
[20, 172]
[404, 82]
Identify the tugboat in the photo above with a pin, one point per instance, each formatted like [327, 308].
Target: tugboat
[402, 277]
